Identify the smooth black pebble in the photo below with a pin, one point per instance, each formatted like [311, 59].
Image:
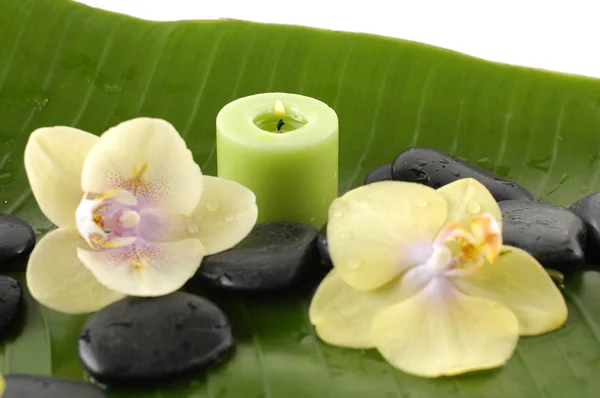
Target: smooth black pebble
[588, 208]
[324, 248]
[147, 342]
[274, 256]
[17, 239]
[11, 295]
[382, 173]
[31, 386]
[555, 236]
[436, 169]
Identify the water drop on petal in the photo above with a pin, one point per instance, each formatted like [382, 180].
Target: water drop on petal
[192, 228]
[422, 203]
[354, 264]
[229, 218]
[212, 207]
[473, 207]
[337, 214]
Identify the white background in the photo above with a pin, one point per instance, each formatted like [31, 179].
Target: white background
[561, 35]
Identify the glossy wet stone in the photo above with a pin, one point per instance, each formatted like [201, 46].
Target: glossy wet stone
[30, 386]
[555, 236]
[588, 208]
[17, 239]
[11, 295]
[381, 173]
[436, 169]
[324, 248]
[146, 342]
[275, 255]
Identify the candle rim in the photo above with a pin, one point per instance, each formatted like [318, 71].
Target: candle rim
[322, 121]
[292, 113]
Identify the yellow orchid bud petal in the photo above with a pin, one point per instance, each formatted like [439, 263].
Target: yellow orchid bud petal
[54, 159]
[148, 158]
[468, 198]
[145, 269]
[443, 332]
[377, 231]
[57, 279]
[518, 281]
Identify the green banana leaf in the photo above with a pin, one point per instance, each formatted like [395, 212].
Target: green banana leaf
[62, 63]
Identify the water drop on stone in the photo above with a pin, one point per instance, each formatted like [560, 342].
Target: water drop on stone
[354, 264]
[192, 228]
[225, 280]
[212, 207]
[229, 218]
[473, 207]
[422, 203]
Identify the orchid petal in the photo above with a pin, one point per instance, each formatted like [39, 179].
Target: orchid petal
[145, 269]
[54, 159]
[342, 315]
[149, 158]
[226, 214]
[519, 282]
[442, 332]
[377, 231]
[57, 278]
[468, 198]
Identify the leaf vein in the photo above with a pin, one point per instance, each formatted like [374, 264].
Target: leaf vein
[234, 95]
[557, 132]
[200, 92]
[159, 56]
[101, 60]
[422, 99]
[258, 349]
[371, 135]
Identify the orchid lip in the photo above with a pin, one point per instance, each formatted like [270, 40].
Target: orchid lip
[456, 248]
[108, 220]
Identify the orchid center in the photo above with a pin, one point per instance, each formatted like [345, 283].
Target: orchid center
[458, 248]
[108, 220]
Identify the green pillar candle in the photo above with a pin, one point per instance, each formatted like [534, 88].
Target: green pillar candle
[284, 147]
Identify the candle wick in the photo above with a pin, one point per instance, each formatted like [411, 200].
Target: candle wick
[280, 124]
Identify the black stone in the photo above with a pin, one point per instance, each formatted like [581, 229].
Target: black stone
[274, 256]
[31, 386]
[382, 173]
[17, 239]
[147, 342]
[11, 295]
[588, 209]
[555, 236]
[324, 248]
[435, 169]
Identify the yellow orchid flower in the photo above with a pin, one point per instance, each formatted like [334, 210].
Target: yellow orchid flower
[135, 215]
[422, 276]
